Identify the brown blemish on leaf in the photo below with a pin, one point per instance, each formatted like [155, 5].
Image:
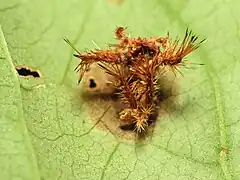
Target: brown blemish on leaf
[117, 2]
[224, 151]
[28, 72]
[97, 105]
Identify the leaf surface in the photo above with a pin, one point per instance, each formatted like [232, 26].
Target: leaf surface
[17, 156]
[197, 137]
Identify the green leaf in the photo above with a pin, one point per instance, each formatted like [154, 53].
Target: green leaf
[17, 157]
[197, 133]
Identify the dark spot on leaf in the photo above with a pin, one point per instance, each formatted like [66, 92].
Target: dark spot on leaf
[26, 71]
[128, 127]
[92, 83]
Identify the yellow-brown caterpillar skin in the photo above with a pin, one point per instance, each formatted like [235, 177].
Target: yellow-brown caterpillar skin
[132, 68]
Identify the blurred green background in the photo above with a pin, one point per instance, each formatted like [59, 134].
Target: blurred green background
[47, 135]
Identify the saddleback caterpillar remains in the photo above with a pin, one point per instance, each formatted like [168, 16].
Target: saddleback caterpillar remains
[134, 64]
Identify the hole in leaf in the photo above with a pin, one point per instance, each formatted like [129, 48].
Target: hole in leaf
[26, 71]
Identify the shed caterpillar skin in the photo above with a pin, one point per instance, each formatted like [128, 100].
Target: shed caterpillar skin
[96, 81]
[134, 65]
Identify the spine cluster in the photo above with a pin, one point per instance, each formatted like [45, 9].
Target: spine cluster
[135, 64]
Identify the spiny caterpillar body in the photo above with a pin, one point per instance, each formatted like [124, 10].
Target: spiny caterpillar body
[135, 64]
